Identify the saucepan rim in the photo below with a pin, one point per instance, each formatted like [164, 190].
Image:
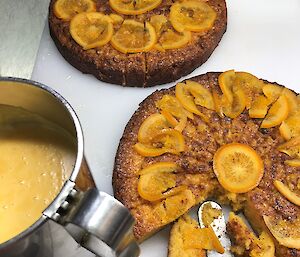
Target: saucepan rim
[79, 155]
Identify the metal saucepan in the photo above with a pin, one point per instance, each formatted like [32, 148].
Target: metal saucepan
[94, 219]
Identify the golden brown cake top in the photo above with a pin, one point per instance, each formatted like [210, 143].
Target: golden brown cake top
[136, 26]
[167, 159]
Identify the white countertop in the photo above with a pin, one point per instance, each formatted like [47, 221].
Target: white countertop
[263, 38]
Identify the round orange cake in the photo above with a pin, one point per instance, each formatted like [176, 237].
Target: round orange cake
[228, 136]
[137, 43]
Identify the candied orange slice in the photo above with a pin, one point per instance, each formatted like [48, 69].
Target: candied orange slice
[159, 22]
[174, 112]
[272, 91]
[168, 38]
[291, 147]
[116, 19]
[134, 37]
[91, 29]
[172, 39]
[202, 238]
[174, 206]
[192, 15]
[276, 114]
[148, 150]
[168, 141]
[219, 101]
[287, 193]
[163, 167]
[259, 107]
[173, 105]
[286, 232]
[67, 9]
[176, 242]
[157, 181]
[178, 125]
[151, 127]
[290, 128]
[238, 167]
[202, 96]
[250, 84]
[293, 162]
[187, 100]
[285, 131]
[237, 106]
[134, 7]
[291, 98]
[226, 83]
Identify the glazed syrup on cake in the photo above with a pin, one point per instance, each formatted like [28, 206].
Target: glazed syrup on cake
[36, 158]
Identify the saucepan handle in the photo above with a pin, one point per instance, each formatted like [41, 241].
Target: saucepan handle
[97, 221]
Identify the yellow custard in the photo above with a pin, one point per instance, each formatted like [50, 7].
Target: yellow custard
[36, 158]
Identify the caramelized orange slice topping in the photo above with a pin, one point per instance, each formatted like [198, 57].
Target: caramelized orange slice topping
[151, 127]
[286, 232]
[202, 238]
[293, 162]
[174, 206]
[91, 29]
[157, 181]
[230, 82]
[159, 23]
[272, 91]
[172, 39]
[173, 111]
[167, 37]
[134, 7]
[291, 100]
[178, 125]
[149, 150]
[116, 19]
[259, 107]
[226, 83]
[290, 128]
[238, 167]
[134, 37]
[160, 167]
[168, 141]
[291, 147]
[67, 9]
[277, 113]
[192, 15]
[187, 100]
[202, 96]
[219, 102]
[287, 193]
[250, 84]
[237, 106]
[177, 244]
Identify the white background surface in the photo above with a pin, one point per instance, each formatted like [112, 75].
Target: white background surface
[263, 38]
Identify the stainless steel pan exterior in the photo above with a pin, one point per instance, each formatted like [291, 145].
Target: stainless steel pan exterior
[96, 220]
